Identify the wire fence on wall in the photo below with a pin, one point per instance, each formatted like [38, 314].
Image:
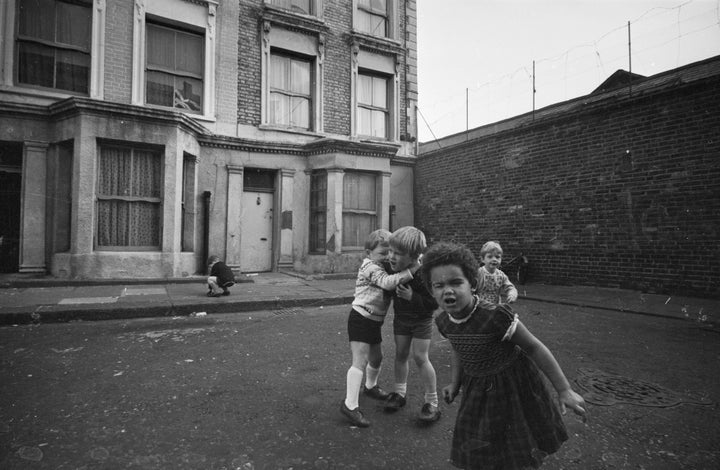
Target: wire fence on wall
[640, 44]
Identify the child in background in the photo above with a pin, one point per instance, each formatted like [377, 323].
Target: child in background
[412, 324]
[365, 321]
[221, 277]
[494, 286]
[507, 418]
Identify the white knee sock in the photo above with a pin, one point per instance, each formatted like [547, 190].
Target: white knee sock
[371, 376]
[401, 389]
[432, 398]
[354, 380]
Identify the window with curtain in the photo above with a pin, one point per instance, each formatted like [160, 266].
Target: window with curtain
[372, 17]
[53, 44]
[298, 6]
[359, 208]
[318, 211]
[290, 100]
[372, 107]
[175, 63]
[129, 198]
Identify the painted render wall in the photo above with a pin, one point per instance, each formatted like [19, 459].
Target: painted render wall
[624, 192]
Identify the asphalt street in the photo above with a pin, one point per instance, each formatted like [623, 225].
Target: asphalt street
[261, 390]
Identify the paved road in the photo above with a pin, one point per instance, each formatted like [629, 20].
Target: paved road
[261, 390]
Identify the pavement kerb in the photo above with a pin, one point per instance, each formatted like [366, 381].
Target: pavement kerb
[63, 313]
[601, 307]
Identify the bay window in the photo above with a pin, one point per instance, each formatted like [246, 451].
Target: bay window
[129, 198]
[359, 216]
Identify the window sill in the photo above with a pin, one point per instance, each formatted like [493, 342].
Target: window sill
[127, 249]
[384, 44]
[288, 130]
[40, 92]
[375, 140]
[198, 117]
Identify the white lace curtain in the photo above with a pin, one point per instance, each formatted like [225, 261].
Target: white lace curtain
[129, 198]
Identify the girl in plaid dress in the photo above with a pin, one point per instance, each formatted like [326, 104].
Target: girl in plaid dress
[507, 418]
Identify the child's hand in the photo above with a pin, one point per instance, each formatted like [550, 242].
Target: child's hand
[404, 292]
[512, 297]
[573, 400]
[449, 392]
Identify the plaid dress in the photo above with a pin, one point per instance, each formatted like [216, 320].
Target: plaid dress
[507, 418]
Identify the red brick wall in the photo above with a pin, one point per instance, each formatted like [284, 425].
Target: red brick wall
[336, 91]
[118, 51]
[249, 63]
[564, 192]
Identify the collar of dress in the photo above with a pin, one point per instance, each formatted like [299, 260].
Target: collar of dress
[467, 317]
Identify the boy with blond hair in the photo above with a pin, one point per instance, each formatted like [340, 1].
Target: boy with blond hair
[412, 324]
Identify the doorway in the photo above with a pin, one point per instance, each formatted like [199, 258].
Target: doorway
[10, 190]
[257, 220]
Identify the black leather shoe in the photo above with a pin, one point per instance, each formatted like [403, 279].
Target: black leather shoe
[355, 416]
[429, 413]
[395, 402]
[376, 392]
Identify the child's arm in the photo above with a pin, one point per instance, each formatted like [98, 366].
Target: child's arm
[451, 391]
[379, 277]
[420, 299]
[508, 289]
[547, 363]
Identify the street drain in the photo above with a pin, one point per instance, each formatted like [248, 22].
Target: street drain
[610, 389]
[288, 311]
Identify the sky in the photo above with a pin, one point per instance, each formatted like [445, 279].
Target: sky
[475, 57]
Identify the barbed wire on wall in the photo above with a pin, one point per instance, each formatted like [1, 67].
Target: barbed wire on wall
[561, 77]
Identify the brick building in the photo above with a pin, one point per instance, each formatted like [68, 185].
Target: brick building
[139, 136]
[619, 188]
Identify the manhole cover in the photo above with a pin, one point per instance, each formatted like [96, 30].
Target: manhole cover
[610, 389]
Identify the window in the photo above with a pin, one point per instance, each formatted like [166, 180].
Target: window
[174, 55]
[298, 6]
[372, 107]
[291, 78]
[359, 208]
[290, 92]
[174, 73]
[53, 44]
[372, 17]
[129, 198]
[318, 211]
[257, 180]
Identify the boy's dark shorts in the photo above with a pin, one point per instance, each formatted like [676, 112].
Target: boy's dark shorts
[418, 329]
[363, 329]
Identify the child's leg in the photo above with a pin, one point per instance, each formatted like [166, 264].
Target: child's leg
[374, 365]
[212, 283]
[402, 353]
[421, 350]
[360, 352]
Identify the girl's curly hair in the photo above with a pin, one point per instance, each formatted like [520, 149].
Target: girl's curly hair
[445, 253]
